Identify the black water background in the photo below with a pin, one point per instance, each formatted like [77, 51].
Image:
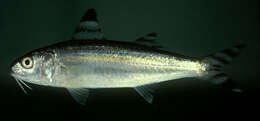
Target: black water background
[185, 26]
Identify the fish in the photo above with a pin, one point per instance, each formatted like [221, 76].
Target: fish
[90, 61]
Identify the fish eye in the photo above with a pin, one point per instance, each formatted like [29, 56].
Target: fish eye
[27, 62]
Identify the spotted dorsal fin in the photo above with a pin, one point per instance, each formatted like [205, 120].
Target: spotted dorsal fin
[149, 39]
[88, 29]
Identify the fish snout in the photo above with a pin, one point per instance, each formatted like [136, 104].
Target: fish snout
[13, 68]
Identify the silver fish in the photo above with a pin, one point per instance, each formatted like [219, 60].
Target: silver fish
[91, 61]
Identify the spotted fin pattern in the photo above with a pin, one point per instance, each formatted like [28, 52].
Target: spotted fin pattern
[150, 39]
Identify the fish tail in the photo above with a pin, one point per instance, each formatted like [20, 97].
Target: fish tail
[217, 61]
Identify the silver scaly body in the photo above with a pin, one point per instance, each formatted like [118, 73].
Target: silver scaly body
[99, 66]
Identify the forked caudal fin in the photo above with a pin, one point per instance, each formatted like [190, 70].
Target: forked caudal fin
[219, 59]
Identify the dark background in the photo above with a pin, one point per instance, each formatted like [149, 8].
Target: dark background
[190, 27]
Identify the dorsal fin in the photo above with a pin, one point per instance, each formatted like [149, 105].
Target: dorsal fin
[88, 27]
[149, 38]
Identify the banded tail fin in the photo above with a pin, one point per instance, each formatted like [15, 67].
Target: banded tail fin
[225, 56]
[219, 59]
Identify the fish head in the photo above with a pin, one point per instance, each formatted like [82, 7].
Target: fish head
[34, 67]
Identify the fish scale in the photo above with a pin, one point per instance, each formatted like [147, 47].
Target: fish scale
[107, 64]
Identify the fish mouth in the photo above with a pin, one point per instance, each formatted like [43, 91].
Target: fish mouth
[13, 74]
[11, 70]
[12, 64]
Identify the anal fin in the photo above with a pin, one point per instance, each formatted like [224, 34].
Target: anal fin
[80, 95]
[145, 92]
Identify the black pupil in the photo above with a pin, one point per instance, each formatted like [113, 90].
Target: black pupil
[27, 62]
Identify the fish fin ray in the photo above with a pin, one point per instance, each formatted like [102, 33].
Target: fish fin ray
[224, 81]
[88, 29]
[150, 38]
[145, 92]
[80, 95]
[216, 61]
[225, 56]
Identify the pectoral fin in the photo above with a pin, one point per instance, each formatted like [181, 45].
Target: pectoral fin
[145, 92]
[80, 95]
